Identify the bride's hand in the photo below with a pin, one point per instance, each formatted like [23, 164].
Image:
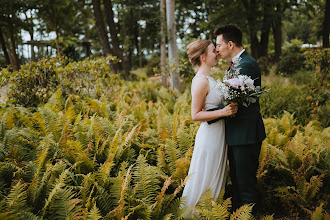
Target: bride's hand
[230, 109]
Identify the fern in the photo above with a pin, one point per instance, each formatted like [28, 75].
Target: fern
[206, 208]
[243, 213]
[146, 176]
[318, 213]
[94, 214]
[172, 154]
[56, 189]
[56, 99]
[17, 198]
[120, 209]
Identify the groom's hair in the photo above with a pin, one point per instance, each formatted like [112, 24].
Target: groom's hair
[230, 32]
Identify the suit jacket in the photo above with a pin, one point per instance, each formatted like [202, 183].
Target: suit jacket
[246, 127]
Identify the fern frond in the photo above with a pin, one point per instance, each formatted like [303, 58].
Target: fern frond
[56, 189]
[104, 199]
[172, 154]
[243, 213]
[318, 213]
[120, 209]
[56, 100]
[146, 176]
[160, 197]
[267, 217]
[17, 198]
[28, 216]
[94, 214]
[314, 186]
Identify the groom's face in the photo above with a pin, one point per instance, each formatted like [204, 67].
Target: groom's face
[223, 48]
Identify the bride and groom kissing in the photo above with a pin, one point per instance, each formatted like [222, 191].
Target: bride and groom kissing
[234, 131]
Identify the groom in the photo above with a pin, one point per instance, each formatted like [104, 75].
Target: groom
[244, 132]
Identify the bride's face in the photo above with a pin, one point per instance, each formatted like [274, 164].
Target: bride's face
[210, 58]
[223, 48]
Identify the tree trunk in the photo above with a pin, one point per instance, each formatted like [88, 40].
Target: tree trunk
[101, 31]
[163, 42]
[33, 54]
[58, 48]
[15, 60]
[325, 44]
[326, 25]
[277, 32]
[250, 7]
[4, 47]
[173, 49]
[114, 36]
[267, 20]
[140, 40]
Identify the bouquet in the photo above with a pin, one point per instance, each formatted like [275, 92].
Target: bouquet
[239, 88]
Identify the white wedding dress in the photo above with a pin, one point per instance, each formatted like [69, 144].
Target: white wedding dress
[209, 160]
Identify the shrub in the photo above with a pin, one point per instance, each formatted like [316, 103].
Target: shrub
[265, 64]
[318, 57]
[152, 63]
[307, 101]
[35, 82]
[291, 63]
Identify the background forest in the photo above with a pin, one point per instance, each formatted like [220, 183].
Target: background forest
[95, 107]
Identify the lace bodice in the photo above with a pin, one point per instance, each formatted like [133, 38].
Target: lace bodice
[214, 98]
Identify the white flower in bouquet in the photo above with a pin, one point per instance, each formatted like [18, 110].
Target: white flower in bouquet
[240, 89]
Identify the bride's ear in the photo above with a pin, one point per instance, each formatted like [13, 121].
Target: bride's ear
[202, 58]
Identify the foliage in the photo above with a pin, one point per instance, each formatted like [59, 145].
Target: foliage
[265, 64]
[318, 57]
[152, 63]
[294, 166]
[101, 147]
[34, 83]
[308, 101]
[290, 63]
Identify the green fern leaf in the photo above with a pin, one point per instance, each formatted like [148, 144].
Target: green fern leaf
[318, 213]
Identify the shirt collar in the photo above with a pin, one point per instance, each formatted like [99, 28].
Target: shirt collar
[239, 54]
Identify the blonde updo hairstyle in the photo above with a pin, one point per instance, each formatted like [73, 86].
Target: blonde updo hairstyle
[196, 49]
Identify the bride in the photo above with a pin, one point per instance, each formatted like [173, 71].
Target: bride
[208, 164]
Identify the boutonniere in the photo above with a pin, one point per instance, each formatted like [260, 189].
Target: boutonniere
[233, 71]
[236, 61]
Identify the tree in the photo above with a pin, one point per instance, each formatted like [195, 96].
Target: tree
[57, 15]
[172, 46]
[11, 24]
[4, 47]
[114, 36]
[163, 43]
[326, 25]
[102, 32]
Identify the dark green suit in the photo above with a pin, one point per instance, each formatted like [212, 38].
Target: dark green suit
[244, 134]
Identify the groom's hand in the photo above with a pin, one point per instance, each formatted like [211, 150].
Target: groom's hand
[217, 119]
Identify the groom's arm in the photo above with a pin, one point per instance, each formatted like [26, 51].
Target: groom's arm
[217, 119]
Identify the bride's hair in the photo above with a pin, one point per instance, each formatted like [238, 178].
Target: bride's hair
[195, 49]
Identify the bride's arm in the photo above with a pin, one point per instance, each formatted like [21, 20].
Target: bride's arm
[199, 90]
